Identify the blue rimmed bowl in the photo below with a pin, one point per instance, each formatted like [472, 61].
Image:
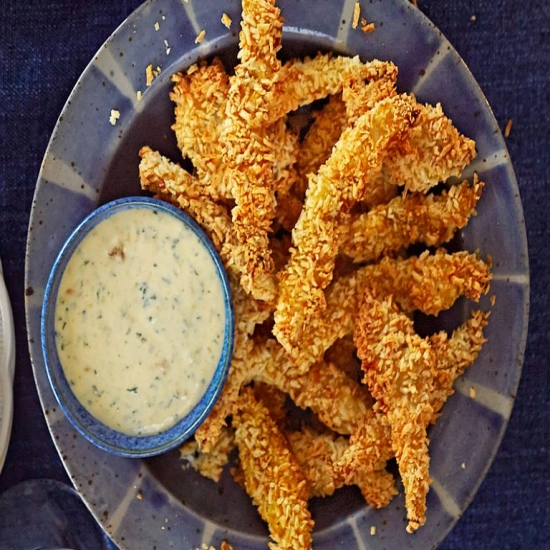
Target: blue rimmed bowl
[84, 418]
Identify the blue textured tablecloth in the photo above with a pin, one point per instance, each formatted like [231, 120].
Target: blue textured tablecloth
[44, 46]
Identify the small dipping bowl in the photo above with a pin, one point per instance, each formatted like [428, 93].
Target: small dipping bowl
[137, 327]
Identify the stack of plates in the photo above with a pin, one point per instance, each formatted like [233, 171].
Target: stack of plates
[7, 367]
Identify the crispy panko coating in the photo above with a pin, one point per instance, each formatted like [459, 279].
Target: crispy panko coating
[200, 95]
[317, 452]
[209, 464]
[398, 365]
[260, 40]
[454, 355]
[434, 152]
[313, 231]
[325, 130]
[339, 402]
[248, 152]
[407, 219]
[429, 283]
[363, 463]
[355, 159]
[272, 475]
[301, 82]
[321, 456]
[360, 97]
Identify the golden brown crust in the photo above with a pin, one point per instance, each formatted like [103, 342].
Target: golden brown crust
[397, 365]
[272, 475]
[321, 457]
[339, 402]
[209, 464]
[411, 377]
[454, 355]
[199, 96]
[429, 283]
[434, 152]
[408, 219]
[359, 151]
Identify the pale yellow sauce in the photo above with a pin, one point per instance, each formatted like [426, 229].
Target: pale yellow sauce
[139, 321]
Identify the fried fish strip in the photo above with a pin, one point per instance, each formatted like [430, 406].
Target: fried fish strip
[408, 219]
[339, 402]
[434, 152]
[272, 475]
[398, 365]
[429, 283]
[320, 453]
[368, 451]
[340, 111]
[260, 40]
[322, 135]
[199, 96]
[248, 152]
[301, 82]
[355, 159]
[454, 355]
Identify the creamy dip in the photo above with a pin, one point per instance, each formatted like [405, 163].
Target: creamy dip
[139, 321]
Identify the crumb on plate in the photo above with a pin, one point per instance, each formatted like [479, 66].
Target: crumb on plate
[226, 20]
[115, 115]
[200, 37]
[356, 15]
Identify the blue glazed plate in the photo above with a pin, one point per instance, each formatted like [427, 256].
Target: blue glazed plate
[155, 502]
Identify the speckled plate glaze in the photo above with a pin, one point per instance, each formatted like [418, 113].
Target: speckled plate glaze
[154, 503]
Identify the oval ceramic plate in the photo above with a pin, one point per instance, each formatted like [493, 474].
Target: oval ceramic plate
[156, 503]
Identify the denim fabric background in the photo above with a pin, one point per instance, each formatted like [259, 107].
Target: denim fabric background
[44, 46]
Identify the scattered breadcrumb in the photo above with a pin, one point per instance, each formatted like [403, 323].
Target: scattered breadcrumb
[356, 15]
[508, 128]
[373, 530]
[473, 19]
[472, 392]
[149, 75]
[157, 26]
[166, 45]
[414, 3]
[138, 95]
[463, 465]
[367, 27]
[226, 20]
[200, 37]
[115, 115]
